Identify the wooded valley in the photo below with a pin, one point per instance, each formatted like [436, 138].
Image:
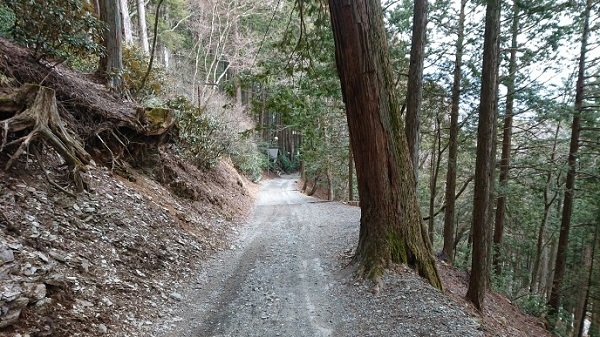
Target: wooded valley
[469, 131]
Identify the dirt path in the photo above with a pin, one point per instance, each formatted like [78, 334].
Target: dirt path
[285, 276]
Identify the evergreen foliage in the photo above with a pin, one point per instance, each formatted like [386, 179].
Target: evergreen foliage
[62, 29]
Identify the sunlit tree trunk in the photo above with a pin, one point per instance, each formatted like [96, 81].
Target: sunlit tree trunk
[567, 211]
[391, 226]
[484, 163]
[143, 31]
[583, 290]
[127, 34]
[594, 300]
[450, 200]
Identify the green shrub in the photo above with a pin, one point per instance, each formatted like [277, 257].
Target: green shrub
[62, 29]
[202, 138]
[288, 165]
[7, 17]
[533, 304]
[135, 65]
[248, 158]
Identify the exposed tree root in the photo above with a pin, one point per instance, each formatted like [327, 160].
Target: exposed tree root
[35, 109]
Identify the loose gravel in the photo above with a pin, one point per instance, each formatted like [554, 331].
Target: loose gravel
[288, 274]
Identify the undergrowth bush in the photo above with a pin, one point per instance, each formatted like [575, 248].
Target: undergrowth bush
[533, 304]
[247, 156]
[204, 138]
[62, 29]
[135, 65]
[287, 164]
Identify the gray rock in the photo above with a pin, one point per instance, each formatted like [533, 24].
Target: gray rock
[102, 328]
[35, 291]
[44, 302]
[19, 303]
[10, 292]
[10, 318]
[6, 255]
[56, 279]
[176, 296]
[58, 255]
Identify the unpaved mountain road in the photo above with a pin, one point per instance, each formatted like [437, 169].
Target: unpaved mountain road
[286, 275]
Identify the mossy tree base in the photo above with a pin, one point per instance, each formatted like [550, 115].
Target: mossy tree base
[391, 226]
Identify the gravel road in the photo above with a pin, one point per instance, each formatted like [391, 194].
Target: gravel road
[287, 274]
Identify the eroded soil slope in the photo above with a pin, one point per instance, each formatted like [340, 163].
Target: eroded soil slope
[109, 261]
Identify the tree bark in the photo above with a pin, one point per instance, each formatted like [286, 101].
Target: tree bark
[583, 290]
[111, 63]
[143, 31]
[449, 224]
[484, 164]
[350, 174]
[436, 155]
[506, 143]
[127, 33]
[391, 227]
[567, 211]
[414, 95]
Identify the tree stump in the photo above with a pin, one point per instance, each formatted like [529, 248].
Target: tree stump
[35, 109]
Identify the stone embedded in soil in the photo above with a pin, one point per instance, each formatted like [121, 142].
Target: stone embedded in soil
[6, 255]
[176, 296]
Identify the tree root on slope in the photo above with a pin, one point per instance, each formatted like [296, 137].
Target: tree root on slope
[35, 109]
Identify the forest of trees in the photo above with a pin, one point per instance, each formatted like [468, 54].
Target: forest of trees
[501, 102]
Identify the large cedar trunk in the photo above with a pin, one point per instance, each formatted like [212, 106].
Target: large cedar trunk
[391, 227]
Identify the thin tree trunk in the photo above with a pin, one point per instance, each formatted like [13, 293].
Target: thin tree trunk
[565, 224]
[506, 144]
[350, 174]
[583, 290]
[484, 164]
[111, 62]
[449, 224]
[544, 273]
[435, 169]
[166, 56]
[548, 201]
[551, 269]
[127, 34]
[143, 31]
[330, 192]
[414, 95]
[594, 301]
[391, 226]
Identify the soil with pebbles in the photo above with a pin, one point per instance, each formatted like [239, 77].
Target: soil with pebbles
[108, 262]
